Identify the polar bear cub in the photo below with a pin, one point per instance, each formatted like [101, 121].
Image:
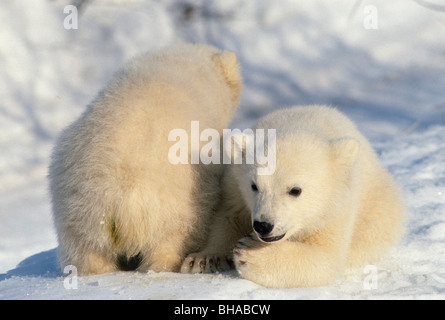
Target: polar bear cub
[328, 205]
[118, 202]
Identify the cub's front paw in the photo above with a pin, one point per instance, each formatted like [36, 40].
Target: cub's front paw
[202, 262]
[251, 257]
[245, 251]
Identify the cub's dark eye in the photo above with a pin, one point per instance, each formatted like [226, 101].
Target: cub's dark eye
[295, 191]
[254, 187]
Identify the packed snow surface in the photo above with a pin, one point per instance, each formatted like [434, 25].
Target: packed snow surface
[380, 62]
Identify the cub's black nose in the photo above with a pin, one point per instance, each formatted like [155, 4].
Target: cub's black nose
[262, 228]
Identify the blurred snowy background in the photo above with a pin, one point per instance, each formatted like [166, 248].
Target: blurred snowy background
[380, 62]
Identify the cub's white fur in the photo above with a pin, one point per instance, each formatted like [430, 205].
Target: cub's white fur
[117, 200]
[328, 205]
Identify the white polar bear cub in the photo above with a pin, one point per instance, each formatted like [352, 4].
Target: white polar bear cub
[328, 205]
[118, 201]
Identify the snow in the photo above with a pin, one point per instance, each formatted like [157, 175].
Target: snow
[389, 80]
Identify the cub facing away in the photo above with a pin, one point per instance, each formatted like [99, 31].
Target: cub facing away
[118, 203]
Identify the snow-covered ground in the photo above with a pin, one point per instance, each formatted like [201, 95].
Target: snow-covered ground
[381, 62]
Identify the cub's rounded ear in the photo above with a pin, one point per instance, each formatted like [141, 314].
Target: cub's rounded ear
[228, 62]
[238, 146]
[344, 151]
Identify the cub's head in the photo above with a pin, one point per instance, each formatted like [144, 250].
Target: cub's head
[310, 179]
